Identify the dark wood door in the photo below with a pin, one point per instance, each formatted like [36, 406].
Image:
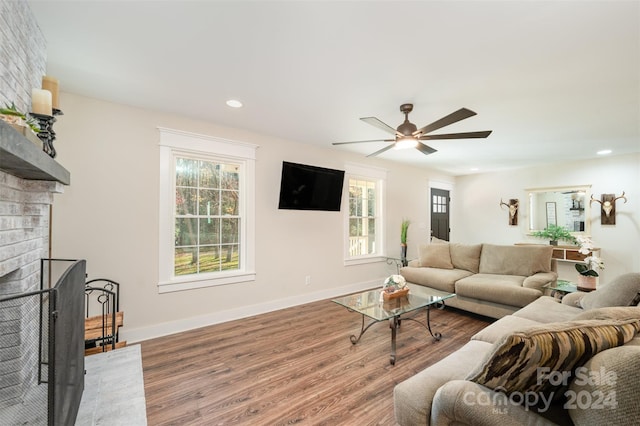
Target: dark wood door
[440, 214]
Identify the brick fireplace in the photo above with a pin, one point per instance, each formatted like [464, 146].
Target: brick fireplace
[24, 240]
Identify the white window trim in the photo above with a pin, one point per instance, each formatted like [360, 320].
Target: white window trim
[369, 173]
[175, 142]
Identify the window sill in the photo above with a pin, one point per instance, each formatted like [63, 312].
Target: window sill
[364, 260]
[191, 282]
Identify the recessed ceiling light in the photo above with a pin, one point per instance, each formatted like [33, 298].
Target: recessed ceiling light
[604, 152]
[233, 103]
[474, 169]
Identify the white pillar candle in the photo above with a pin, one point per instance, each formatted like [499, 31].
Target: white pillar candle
[51, 84]
[41, 102]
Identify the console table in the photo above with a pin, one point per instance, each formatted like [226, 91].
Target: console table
[571, 253]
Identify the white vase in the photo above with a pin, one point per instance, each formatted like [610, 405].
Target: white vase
[586, 283]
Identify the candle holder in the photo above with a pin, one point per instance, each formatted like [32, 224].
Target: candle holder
[46, 133]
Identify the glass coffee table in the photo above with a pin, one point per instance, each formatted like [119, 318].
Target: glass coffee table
[371, 305]
[561, 288]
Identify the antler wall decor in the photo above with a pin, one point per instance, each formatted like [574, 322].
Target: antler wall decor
[513, 210]
[608, 207]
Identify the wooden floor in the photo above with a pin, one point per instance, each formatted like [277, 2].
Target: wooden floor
[295, 365]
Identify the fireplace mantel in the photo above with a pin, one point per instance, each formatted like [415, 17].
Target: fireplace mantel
[22, 158]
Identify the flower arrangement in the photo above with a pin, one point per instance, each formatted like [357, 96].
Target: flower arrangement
[394, 283]
[591, 263]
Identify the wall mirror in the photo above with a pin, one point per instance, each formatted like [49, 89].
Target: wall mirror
[562, 206]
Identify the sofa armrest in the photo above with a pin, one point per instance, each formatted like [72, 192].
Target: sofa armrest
[573, 299]
[461, 402]
[540, 280]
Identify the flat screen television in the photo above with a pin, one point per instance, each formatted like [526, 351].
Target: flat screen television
[306, 187]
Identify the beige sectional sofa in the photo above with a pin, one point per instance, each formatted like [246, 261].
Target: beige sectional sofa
[583, 350]
[491, 280]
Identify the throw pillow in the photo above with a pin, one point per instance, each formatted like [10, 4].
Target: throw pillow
[464, 256]
[542, 359]
[613, 313]
[524, 260]
[619, 292]
[435, 256]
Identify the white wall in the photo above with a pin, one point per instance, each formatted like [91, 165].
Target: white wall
[109, 216]
[477, 217]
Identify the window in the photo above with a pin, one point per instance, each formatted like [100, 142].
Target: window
[365, 214]
[207, 216]
[439, 204]
[362, 217]
[206, 211]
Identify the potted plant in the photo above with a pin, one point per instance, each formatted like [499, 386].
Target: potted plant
[404, 226]
[554, 233]
[587, 270]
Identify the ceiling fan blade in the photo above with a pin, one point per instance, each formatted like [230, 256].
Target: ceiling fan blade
[379, 124]
[425, 149]
[454, 117]
[386, 148]
[468, 135]
[372, 140]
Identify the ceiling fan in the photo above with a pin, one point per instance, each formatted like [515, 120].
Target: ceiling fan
[407, 135]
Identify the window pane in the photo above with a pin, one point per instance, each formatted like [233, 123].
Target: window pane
[352, 206]
[209, 231]
[209, 202]
[186, 172]
[209, 175]
[229, 257]
[230, 176]
[186, 231]
[185, 261]
[230, 231]
[209, 259]
[354, 228]
[230, 203]
[371, 203]
[355, 199]
[185, 201]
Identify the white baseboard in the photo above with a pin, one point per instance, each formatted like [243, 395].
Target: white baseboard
[167, 328]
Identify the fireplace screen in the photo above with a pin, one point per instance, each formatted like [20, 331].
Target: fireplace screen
[42, 349]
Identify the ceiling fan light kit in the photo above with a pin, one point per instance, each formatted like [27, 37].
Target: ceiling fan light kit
[405, 143]
[407, 135]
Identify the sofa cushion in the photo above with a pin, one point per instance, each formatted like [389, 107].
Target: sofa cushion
[622, 291]
[465, 256]
[515, 260]
[532, 359]
[413, 397]
[505, 289]
[504, 326]
[440, 279]
[435, 256]
[547, 309]
[614, 389]
[613, 313]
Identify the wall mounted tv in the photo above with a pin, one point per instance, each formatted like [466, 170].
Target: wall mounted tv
[306, 187]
